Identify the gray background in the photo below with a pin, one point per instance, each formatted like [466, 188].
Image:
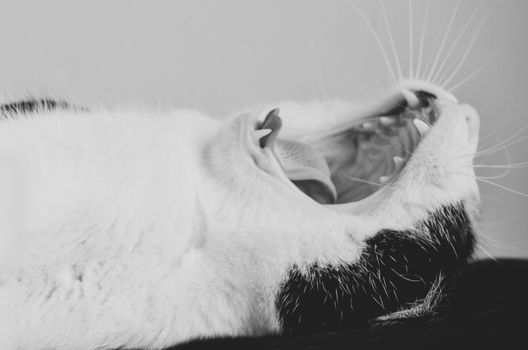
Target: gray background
[220, 56]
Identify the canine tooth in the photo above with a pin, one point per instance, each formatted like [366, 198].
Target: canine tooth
[412, 99]
[398, 161]
[422, 127]
[258, 134]
[274, 123]
[387, 121]
[368, 126]
[384, 179]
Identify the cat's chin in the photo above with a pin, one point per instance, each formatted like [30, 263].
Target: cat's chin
[414, 146]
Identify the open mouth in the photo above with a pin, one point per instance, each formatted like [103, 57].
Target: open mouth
[350, 162]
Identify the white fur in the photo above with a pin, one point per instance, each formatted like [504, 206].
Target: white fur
[148, 230]
[127, 240]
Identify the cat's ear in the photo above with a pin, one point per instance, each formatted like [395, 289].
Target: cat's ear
[303, 166]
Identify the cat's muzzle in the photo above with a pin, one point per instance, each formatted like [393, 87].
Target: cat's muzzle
[352, 161]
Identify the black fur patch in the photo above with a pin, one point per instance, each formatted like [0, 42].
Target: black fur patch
[489, 310]
[396, 268]
[33, 106]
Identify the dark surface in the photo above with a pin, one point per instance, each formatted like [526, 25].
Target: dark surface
[489, 309]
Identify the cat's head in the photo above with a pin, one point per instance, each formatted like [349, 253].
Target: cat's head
[395, 176]
[392, 160]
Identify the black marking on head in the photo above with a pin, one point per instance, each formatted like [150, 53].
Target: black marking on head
[396, 268]
[35, 105]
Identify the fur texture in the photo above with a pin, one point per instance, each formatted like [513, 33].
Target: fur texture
[144, 231]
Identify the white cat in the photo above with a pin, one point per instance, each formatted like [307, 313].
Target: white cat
[133, 230]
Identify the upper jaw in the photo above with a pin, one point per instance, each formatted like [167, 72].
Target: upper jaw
[440, 169]
[431, 166]
[420, 85]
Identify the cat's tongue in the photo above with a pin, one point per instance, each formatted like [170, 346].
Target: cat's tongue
[306, 168]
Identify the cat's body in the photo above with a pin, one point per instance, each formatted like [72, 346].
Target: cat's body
[136, 230]
[131, 212]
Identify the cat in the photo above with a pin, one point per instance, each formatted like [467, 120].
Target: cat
[140, 230]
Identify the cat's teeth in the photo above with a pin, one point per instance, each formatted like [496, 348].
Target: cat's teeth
[387, 121]
[258, 134]
[384, 179]
[398, 162]
[412, 99]
[422, 127]
[273, 122]
[368, 126]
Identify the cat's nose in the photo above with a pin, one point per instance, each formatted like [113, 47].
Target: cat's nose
[465, 111]
[472, 119]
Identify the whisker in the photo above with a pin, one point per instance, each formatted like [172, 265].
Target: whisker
[436, 77]
[411, 40]
[495, 184]
[357, 179]
[508, 159]
[431, 57]
[500, 166]
[486, 252]
[495, 177]
[494, 129]
[486, 152]
[391, 40]
[422, 37]
[500, 146]
[444, 40]
[466, 52]
[376, 38]
[504, 187]
[486, 240]
[495, 223]
[494, 243]
[475, 72]
[506, 143]
[412, 111]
